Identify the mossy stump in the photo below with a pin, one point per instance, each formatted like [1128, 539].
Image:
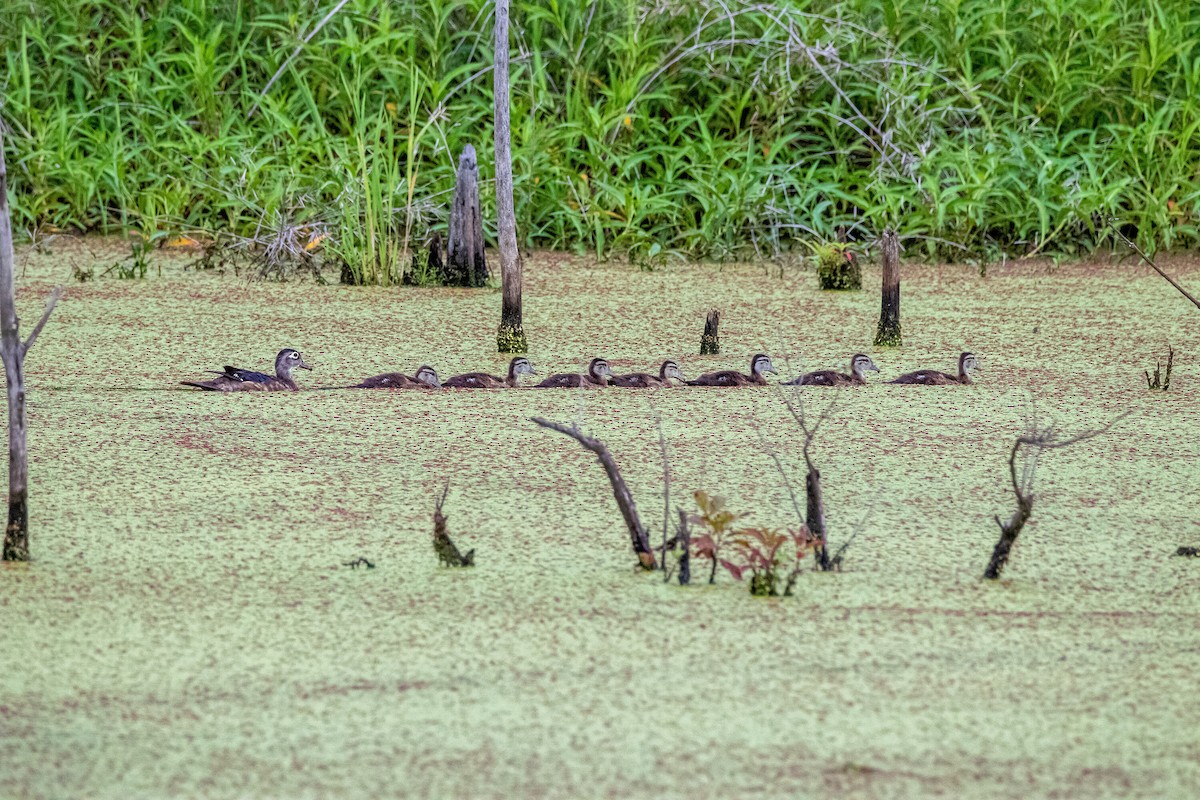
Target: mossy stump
[710, 340]
[511, 339]
[447, 552]
[838, 268]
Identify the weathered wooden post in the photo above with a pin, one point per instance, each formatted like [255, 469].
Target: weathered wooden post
[510, 338]
[465, 264]
[13, 351]
[888, 333]
[710, 340]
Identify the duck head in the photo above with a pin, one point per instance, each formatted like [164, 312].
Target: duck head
[288, 360]
[428, 375]
[861, 363]
[520, 366]
[671, 370]
[761, 364]
[599, 370]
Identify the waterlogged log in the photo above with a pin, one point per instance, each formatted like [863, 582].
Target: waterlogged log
[466, 264]
[13, 352]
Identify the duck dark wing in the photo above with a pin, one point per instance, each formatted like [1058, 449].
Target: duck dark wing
[227, 384]
[726, 377]
[236, 374]
[562, 380]
[636, 380]
[473, 380]
[925, 377]
[825, 377]
[389, 380]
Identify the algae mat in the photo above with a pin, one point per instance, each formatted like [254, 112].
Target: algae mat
[187, 629]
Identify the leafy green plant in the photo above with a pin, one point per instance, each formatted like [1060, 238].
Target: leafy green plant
[718, 129]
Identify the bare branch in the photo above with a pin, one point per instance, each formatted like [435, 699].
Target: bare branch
[637, 532]
[51, 302]
[1133, 246]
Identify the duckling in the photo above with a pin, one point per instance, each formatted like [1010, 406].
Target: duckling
[598, 374]
[642, 380]
[859, 363]
[930, 377]
[759, 365]
[234, 379]
[481, 380]
[424, 378]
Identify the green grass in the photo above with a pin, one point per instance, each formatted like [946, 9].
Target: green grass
[186, 627]
[718, 130]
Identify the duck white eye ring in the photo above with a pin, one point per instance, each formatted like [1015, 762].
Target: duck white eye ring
[293, 354]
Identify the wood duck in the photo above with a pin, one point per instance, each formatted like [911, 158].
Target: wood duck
[931, 377]
[598, 374]
[424, 378]
[859, 363]
[234, 379]
[759, 366]
[643, 380]
[481, 380]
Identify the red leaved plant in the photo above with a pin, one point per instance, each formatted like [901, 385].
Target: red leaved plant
[717, 522]
[771, 557]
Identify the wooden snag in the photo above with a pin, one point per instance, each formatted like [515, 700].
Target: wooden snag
[447, 552]
[13, 352]
[710, 340]
[888, 332]
[685, 541]
[466, 264]
[638, 535]
[510, 336]
[1030, 446]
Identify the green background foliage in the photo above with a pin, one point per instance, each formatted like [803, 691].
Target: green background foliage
[703, 129]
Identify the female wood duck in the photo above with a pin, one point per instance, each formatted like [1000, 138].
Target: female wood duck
[481, 380]
[424, 378]
[759, 366]
[598, 374]
[931, 377]
[234, 379]
[859, 363]
[643, 380]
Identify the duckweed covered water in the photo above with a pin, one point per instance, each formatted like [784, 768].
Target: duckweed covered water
[187, 629]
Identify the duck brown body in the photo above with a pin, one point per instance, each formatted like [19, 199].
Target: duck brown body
[598, 374]
[759, 365]
[424, 378]
[481, 380]
[829, 377]
[235, 379]
[644, 380]
[932, 377]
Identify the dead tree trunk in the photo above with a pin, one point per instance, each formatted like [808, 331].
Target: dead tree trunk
[510, 338]
[13, 351]
[637, 531]
[815, 517]
[466, 264]
[888, 333]
[685, 541]
[710, 340]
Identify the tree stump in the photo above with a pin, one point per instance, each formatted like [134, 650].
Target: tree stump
[710, 340]
[465, 264]
[888, 333]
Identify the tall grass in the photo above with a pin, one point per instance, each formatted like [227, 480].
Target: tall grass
[709, 129]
